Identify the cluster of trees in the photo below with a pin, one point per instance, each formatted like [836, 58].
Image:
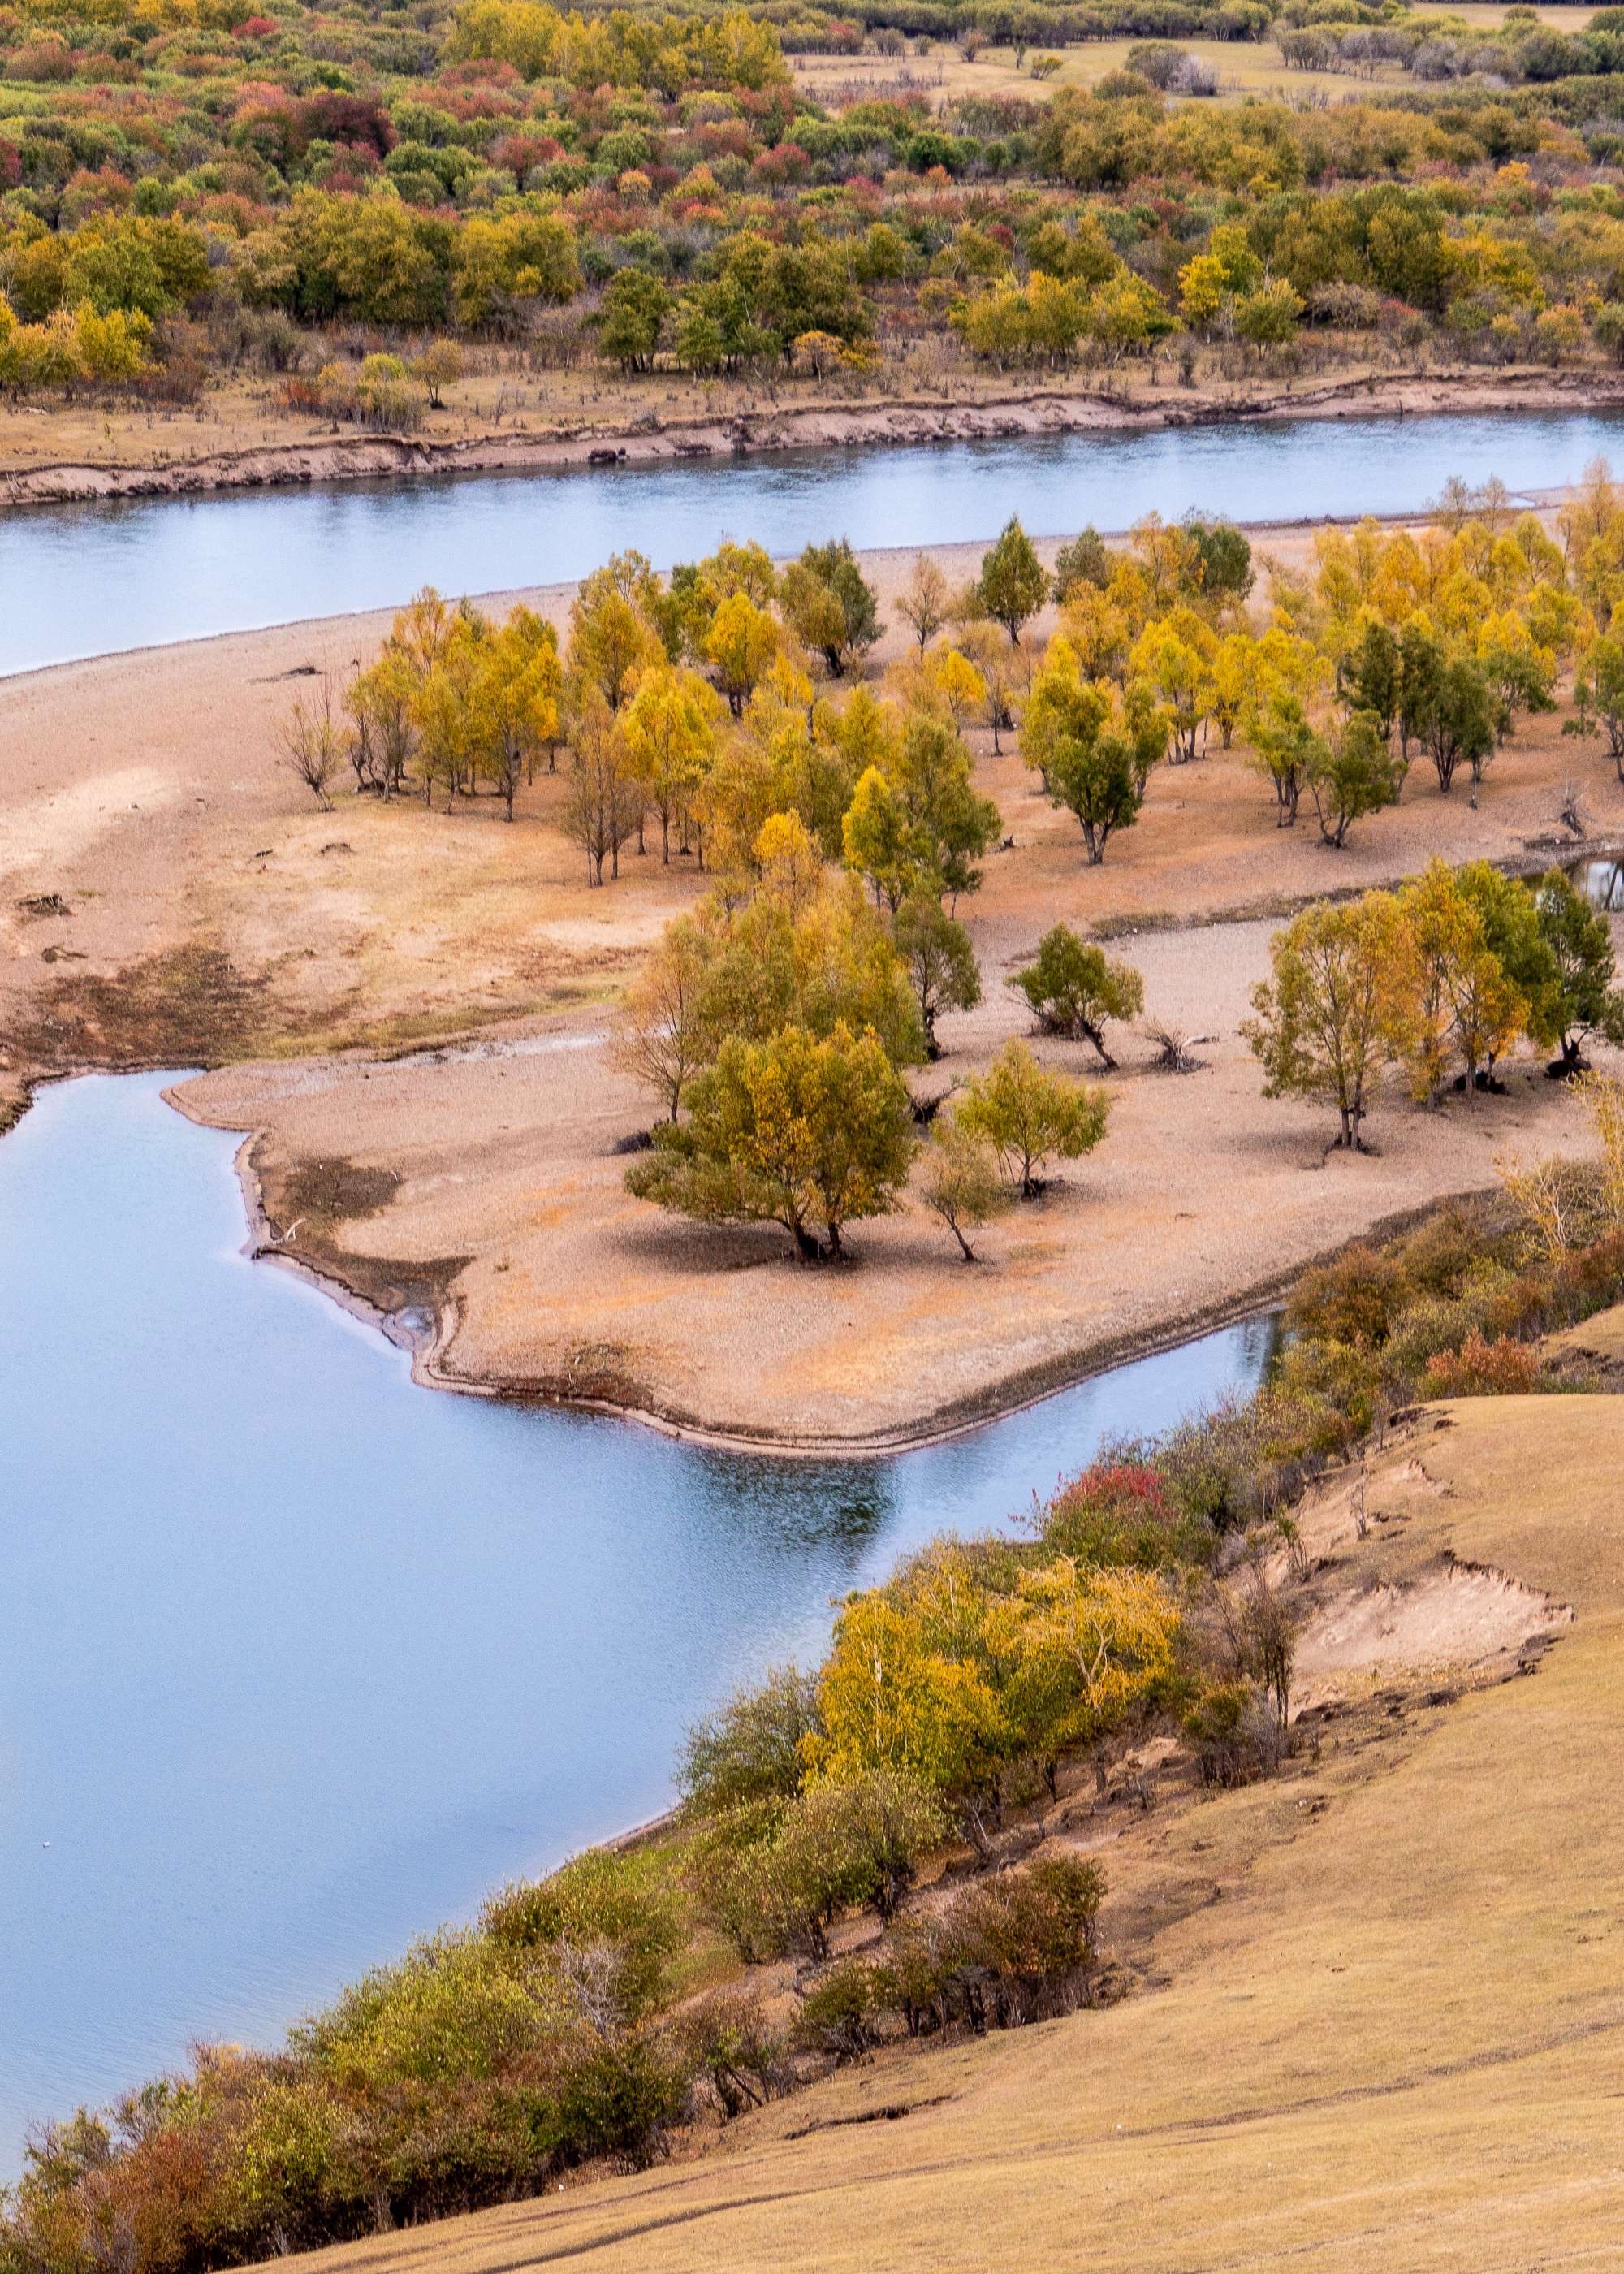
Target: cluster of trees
[1395, 646]
[1447, 973]
[585, 182]
[452, 701]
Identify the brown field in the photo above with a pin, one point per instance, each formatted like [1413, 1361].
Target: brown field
[218, 918]
[1368, 2025]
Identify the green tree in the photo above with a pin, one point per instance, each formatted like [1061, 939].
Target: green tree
[830, 605]
[1013, 584]
[1075, 987]
[1598, 696]
[1581, 945]
[750, 1749]
[961, 1183]
[1030, 1116]
[1353, 774]
[1369, 676]
[806, 1133]
[1093, 754]
[940, 960]
[1333, 1014]
[632, 318]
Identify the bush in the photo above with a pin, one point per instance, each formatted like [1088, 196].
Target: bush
[750, 1748]
[1502, 1369]
[625, 1903]
[1015, 1949]
[1232, 1733]
[838, 2013]
[1117, 1513]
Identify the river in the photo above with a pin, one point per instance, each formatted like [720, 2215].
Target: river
[82, 580]
[297, 1659]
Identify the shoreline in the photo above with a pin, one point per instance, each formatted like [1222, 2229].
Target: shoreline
[905, 421]
[999, 1401]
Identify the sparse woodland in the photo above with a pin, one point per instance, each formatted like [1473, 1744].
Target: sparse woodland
[726, 719]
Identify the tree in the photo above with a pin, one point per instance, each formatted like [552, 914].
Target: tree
[1175, 654]
[741, 643]
[749, 1749]
[1224, 553]
[663, 1037]
[1353, 774]
[950, 824]
[438, 367]
[1093, 1650]
[1513, 936]
[961, 1182]
[1084, 560]
[1286, 747]
[1332, 1016]
[1075, 987]
[806, 1133]
[922, 602]
[876, 838]
[1013, 584]
[951, 680]
[940, 958]
[633, 316]
[1030, 1116]
[1461, 999]
[1095, 755]
[830, 605]
[1581, 945]
[1598, 696]
[514, 699]
[907, 1688]
[310, 745]
[604, 806]
[1459, 720]
[1369, 676]
[669, 732]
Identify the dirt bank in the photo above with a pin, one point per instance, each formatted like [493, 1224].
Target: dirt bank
[789, 426]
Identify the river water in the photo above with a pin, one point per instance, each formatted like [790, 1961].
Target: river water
[82, 580]
[297, 1659]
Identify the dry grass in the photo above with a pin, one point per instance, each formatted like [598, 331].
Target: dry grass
[1389, 2034]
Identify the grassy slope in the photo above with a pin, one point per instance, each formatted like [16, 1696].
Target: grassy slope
[1395, 2039]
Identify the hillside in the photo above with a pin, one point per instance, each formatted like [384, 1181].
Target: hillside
[1391, 2035]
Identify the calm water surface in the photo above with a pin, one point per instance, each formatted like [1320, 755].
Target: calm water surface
[83, 580]
[297, 1658]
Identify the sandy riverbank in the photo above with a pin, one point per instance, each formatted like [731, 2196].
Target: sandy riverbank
[408, 1011]
[657, 435]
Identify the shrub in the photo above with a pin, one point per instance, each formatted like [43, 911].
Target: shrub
[736, 2050]
[1117, 1513]
[624, 1902]
[838, 2013]
[1502, 1369]
[750, 1749]
[1232, 1733]
[1014, 1949]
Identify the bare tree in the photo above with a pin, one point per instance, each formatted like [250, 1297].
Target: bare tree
[604, 804]
[312, 745]
[923, 601]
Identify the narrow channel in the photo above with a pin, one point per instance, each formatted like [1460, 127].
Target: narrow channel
[297, 1659]
[84, 580]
